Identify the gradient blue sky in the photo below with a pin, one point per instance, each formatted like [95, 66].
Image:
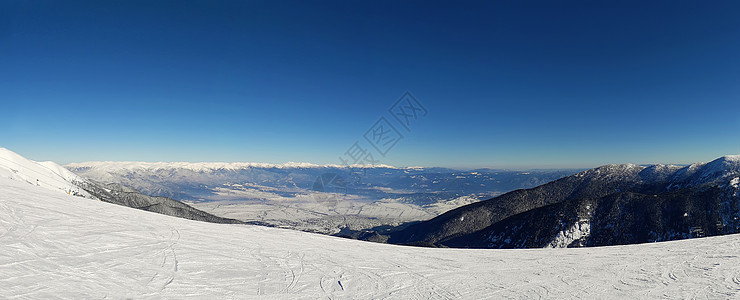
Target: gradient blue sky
[507, 84]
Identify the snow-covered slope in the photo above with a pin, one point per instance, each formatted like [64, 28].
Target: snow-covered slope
[56, 246]
[51, 176]
[45, 174]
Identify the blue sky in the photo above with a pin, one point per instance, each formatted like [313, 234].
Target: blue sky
[506, 84]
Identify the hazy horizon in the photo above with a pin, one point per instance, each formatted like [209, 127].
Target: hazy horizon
[461, 168]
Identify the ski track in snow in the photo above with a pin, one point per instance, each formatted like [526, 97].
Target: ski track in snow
[54, 245]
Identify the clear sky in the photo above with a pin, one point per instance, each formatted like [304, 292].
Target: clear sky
[513, 84]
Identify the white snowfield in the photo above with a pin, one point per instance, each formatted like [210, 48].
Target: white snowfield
[53, 245]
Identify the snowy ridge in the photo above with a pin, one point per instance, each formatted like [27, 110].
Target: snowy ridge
[721, 171]
[45, 174]
[695, 174]
[734, 158]
[205, 166]
[94, 249]
[608, 171]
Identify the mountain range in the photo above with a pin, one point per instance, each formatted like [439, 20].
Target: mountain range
[609, 205]
[326, 199]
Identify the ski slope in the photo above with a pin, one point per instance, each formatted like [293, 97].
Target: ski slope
[56, 245]
[44, 174]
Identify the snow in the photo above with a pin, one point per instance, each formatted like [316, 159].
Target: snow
[441, 207]
[735, 182]
[113, 166]
[733, 158]
[321, 212]
[724, 167]
[577, 231]
[53, 245]
[45, 174]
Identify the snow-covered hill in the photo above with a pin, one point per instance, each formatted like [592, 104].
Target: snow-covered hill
[51, 176]
[44, 174]
[53, 245]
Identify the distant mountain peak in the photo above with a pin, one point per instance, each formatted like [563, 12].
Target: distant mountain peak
[627, 166]
[207, 166]
[611, 172]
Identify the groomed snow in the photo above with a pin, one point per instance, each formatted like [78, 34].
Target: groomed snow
[53, 245]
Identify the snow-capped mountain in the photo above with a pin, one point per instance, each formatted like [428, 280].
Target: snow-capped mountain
[198, 181]
[119, 166]
[56, 246]
[609, 205]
